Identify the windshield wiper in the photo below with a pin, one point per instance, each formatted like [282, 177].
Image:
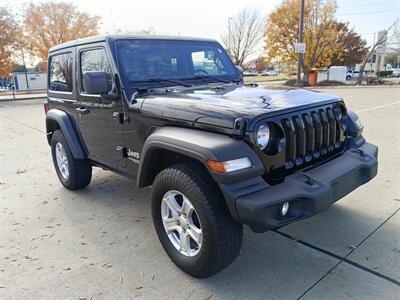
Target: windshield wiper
[175, 81]
[204, 77]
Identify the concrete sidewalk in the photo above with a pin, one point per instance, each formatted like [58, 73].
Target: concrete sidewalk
[99, 243]
[8, 96]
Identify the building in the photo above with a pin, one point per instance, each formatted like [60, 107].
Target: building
[29, 81]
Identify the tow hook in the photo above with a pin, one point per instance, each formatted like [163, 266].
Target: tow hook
[309, 179]
[359, 151]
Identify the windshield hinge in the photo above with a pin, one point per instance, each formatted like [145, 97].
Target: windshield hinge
[239, 127]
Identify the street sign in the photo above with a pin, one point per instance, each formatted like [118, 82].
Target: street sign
[300, 47]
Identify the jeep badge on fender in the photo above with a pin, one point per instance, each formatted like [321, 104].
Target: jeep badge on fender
[173, 113]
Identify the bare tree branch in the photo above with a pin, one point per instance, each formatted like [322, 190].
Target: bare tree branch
[243, 34]
[382, 40]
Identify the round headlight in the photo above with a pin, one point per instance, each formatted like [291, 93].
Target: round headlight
[263, 136]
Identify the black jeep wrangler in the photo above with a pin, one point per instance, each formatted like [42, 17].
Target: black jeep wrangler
[173, 113]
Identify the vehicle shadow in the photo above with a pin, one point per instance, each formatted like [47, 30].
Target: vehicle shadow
[269, 266]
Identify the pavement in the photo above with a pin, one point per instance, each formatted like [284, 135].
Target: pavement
[99, 243]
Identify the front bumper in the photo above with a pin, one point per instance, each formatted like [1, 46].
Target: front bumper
[307, 192]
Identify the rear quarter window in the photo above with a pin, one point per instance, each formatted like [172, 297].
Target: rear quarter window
[60, 72]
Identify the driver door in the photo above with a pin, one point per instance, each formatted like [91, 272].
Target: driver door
[97, 117]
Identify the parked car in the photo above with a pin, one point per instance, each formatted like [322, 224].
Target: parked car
[270, 73]
[175, 114]
[5, 84]
[250, 73]
[352, 74]
[396, 73]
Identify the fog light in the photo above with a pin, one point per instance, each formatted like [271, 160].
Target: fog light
[284, 208]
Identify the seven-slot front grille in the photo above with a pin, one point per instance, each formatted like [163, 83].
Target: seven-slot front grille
[311, 135]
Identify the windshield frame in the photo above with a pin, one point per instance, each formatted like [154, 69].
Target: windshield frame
[143, 83]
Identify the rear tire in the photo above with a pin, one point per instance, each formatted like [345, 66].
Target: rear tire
[221, 236]
[73, 173]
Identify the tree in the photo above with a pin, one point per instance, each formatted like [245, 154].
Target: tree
[8, 31]
[40, 67]
[243, 34]
[19, 68]
[379, 43]
[352, 48]
[261, 64]
[320, 33]
[49, 23]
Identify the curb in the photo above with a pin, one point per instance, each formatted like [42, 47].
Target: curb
[353, 86]
[23, 98]
[265, 84]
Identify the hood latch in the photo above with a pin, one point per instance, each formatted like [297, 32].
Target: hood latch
[239, 127]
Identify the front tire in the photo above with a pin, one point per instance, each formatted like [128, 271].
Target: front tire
[73, 173]
[192, 221]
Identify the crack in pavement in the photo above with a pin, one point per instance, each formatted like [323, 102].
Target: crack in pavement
[23, 124]
[344, 258]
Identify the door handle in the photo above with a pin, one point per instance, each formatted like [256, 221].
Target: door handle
[82, 110]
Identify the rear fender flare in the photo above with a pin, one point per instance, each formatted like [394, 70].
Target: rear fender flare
[68, 128]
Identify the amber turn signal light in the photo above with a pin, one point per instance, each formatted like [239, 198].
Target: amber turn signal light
[229, 165]
[216, 166]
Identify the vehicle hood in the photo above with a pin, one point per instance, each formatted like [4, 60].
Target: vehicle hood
[222, 106]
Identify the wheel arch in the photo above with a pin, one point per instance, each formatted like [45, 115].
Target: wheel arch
[159, 157]
[174, 145]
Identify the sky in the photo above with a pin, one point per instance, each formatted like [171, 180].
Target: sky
[208, 18]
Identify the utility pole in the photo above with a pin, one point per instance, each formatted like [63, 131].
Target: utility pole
[372, 59]
[25, 70]
[300, 55]
[314, 63]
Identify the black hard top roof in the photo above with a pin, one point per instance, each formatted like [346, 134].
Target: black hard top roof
[102, 38]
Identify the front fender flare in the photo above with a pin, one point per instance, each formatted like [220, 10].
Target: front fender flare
[201, 146]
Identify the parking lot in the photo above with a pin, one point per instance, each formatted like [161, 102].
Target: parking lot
[99, 243]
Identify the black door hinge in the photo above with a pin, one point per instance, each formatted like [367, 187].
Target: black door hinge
[120, 116]
[123, 150]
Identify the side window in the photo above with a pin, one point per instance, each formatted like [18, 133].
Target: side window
[61, 72]
[95, 60]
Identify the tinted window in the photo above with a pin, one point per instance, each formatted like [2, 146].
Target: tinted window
[146, 59]
[96, 60]
[61, 72]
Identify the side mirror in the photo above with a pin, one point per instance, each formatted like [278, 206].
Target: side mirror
[240, 69]
[95, 82]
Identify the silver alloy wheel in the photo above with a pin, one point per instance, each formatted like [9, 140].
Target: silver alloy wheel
[62, 160]
[181, 223]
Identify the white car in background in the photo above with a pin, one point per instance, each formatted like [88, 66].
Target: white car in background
[352, 74]
[250, 73]
[270, 73]
[396, 72]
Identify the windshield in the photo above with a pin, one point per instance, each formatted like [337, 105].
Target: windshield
[146, 60]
